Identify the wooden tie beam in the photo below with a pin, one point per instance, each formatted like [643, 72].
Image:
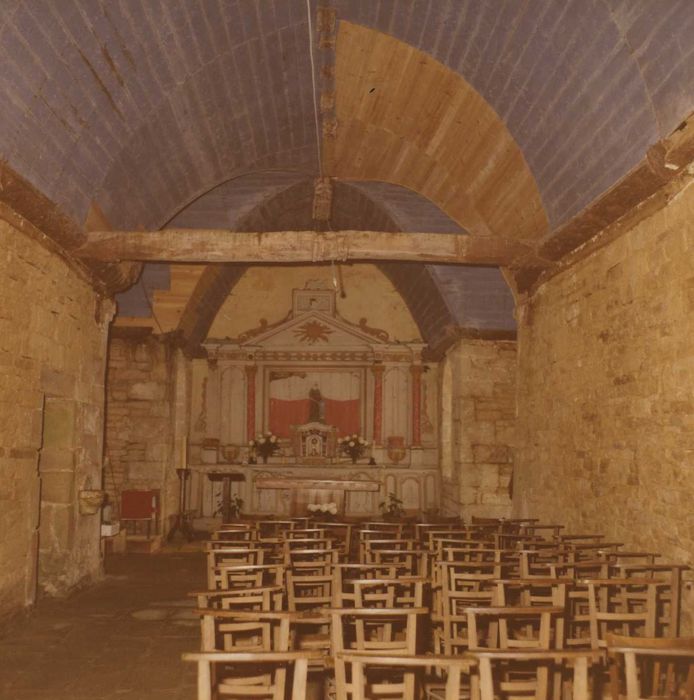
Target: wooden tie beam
[226, 246]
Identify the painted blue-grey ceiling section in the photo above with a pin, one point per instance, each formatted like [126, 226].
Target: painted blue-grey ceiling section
[136, 302]
[409, 209]
[143, 106]
[225, 205]
[478, 297]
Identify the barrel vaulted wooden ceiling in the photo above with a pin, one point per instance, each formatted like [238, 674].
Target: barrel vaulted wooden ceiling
[534, 122]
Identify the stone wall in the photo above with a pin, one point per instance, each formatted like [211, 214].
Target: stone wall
[606, 390]
[140, 419]
[52, 355]
[478, 427]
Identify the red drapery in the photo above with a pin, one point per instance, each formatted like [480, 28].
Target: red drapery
[344, 415]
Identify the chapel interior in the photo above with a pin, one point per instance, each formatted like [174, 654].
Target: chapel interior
[352, 336]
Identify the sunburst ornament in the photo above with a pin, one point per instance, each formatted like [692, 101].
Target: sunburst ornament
[313, 331]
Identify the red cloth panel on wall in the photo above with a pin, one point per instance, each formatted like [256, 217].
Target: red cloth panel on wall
[342, 414]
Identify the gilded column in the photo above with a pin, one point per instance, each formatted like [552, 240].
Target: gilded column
[416, 372]
[251, 371]
[378, 404]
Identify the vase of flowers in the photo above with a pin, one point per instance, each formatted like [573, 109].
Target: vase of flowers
[353, 446]
[265, 445]
[326, 510]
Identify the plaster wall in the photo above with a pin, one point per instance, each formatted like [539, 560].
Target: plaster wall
[53, 331]
[266, 292]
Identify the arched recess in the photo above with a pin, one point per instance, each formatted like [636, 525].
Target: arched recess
[291, 209]
[405, 118]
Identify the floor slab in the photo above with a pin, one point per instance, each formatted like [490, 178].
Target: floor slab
[121, 639]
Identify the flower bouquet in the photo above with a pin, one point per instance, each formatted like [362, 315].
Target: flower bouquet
[353, 446]
[324, 509]
[265, 445]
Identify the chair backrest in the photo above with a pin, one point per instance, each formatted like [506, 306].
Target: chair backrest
[309, 591]
[495, 684]
[242, 555]
[221, 673]
[403, 592]
[512, 627]
[651, 667]
[239, 576]
[398, 669]
[628, 606]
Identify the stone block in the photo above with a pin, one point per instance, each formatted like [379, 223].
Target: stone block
[59, 423]
[57, 487]
[492, 454]
[59, 384]
[147, 391]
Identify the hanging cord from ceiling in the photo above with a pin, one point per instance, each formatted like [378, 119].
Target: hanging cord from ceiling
[313, 82]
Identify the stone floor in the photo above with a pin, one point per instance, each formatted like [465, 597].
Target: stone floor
[119, 640]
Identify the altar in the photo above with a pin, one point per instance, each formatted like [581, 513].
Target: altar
[277, 490]
[295, 394]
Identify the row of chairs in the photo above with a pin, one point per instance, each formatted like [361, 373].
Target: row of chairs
[503, 605]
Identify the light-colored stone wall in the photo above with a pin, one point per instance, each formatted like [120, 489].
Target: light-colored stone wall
[52, 357]
[141, 399]
[478, 427]
[606, 391]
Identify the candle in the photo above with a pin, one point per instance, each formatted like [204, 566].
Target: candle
[184, 452]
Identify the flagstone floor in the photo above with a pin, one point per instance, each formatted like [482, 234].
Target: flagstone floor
[121, 639]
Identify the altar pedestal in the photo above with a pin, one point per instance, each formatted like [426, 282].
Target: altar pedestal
[305, 491]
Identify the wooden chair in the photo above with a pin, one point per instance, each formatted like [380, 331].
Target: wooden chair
[233, 576]
[651, 667]
[217, 555]
[240, 532]
[249, 599]
[305, 533]
[628, 606]
[317, 562]
[216, 669]
[388, 630]
[341, 533]
[359, 666]
[511, 627]
[245, 630]
[497, 671]
[345, 574]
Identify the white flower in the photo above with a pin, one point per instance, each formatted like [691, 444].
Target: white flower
[258, 437]
[313, 507]
[273, 439]
[332, 508]
[251, 443]
[354, 436]
[362, 441]
[351, 443]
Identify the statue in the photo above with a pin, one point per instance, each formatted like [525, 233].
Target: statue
[316, 409]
